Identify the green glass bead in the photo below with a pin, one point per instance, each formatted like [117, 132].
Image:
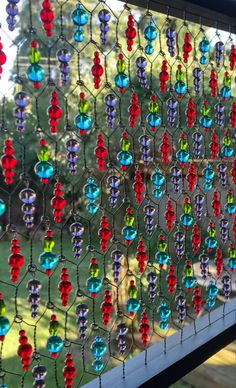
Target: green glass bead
[129, 220]
[44, 154]
[188, 271]
[125, 144]
[121, 66]
[229, 198]
[48, 244]
[183, 144]
[133, 292]
[154, 107]
[2, 308]
[162, 246]
[227, 81]
[232, 253]
[205, 110]
[94, 270]
[212, 232]
[179, 75]
[35, 56]
[53, 328]
[83, 106]
[227, 141]
[187, 208]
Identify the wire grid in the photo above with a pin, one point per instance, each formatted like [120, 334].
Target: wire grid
[27, 143]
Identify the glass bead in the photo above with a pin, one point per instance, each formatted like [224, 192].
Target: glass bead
[180, 87]
[44, 170]
[164, 312]
[92, 208]
[186, 219]
[54, 344]
[21, 99]
[79, 36]
[183, 156]
[79, 16]
[48, 260]
[225, 92]
[35, 73]
[98, 347]
[91, 190]
[121, 80]
[227, 151]
[97, 365]
[158, 178]
[162, 258]
[232, 263]
[94, 285]
[230, 208]
[83, 122]
[206, 121]
[133, 305]
[125, 144]
[4, 326]
[104, 15]
[154, 120]
[212, 290]
[204, 45]
[157, 193]
[163, 325]
[125, 158]
[149, 49]
[189, 282]
[48, 244]
[203, 60]
[129, 233]
[43, 154]
[2, 207]
[150, 32]
[34, 57]
[211, 242]
[129, 220]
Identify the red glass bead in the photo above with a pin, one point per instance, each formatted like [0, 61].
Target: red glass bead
[97, 70]
[134, 110]
[187, 47]
[191, 113]
[3, 57]
[64, 287]
[69, 371]
[219, 262]
[130, 33]
[104, 233]
[106, 308]
[234, 228]
[216, 204]
[54, 113]
[233, 116]
[233, 172]
[47, 17]
[214, 145]
[191, 178]
[213, 83]
[100, 152]
[25, 350]
[169, 215]
[196, 238]
[138, 186]
[15, 260]
[141, 256]
[165, 148]
[197, 300]
[232, 57]
[58, 202]
[9, 162]
[163, 77]
[171, 279]
[144, 328]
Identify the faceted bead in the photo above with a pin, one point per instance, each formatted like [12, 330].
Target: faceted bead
[2, 207]
[121, 80]
[4, 326]
[83, 122]
[44, 170]
[35, 73]
[48, 260]
[94, 285]
[54, 344]
[129, 233]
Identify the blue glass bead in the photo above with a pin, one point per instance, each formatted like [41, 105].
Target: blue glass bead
[182, 156]
[203, 60]
[91, 190]
[83, 122]
[180, 87]
[104, 15]
[121, 80]
[79, 36]
[230, 208]
[232, 263]
[98, 347]
[97, 365]
[225, 92]
[211, 242]
[149, 49]
[27, 196]
[79, 16]
[207, 185]
[125, 158]
[204, 45]
[35, 73]
[3, 386]
[48, 260]
[164, 312]
[162, 258]
[94, 285]
[154, 120]
[157, 193]
[227, 151]
[189, 282]
[4, 326]
[206, 121]
[158, 178]
[150, 32]
[129, 233]
[92, 208]
[63, 55]
[44, 170]
[54, 344]
[210, 303]
[163, 325]
[133, 305]
[12, 10]
[2, 207]
[186, 219]
[208, 173]
[212, 291]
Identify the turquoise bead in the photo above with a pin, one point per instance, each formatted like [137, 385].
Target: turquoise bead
[150, 32]
[4, 326]
[210, 303]
[206, 121]
[54, 344]
[129, 233]
[212, 291]
[83, 122]
[79, 16]
[94, 285]
[91, 190]
[204, 45]
[232, 263]
[211, 242]
[149, 49]
[3, 386]
[78, 36]
[158, 178]
[207, 185]
[157, 193]
[225, 92]
[92, 208]
[227, 151]
[97, 365]
[162, 258]
[203, 60]
[133, 305]
[209, 173]
[35, 73]
[182, 156]
[186, 219]
[153, 119]
[180, 87]
[230, 208]
[188, 282]
[48, 260]
[98, 347]
[125, 158]
[2, 207]
[44, 170]
[163, 325]
[121, 80]
[164, 312]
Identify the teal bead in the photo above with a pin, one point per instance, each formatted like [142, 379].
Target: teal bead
[210, 303]
[150, 32]
[207, 185]
[230, 208]
[121, 80]
[97, 365]
[164, 312]
[206, 121]
[79, 36]
[232, 263]
[44, 170]
[162, 258]
[225, 92]
[203, 60]
[80, 16]
[129, 233]
[2, 207]
[3, 386]
[212, 291]
[35, 73]
[158, 178]
[208, 173]
[149, 49]
[48, 260]
[4, 326]
[204, 45]
[98, 347]
[94, 285]
[154, 120]
[227, 151]
[92, 208]
[189, 282]
[83, 122]
[157, 193]
[182, 156]
[54, 344]
[133, 305]
[211, 242]
[163, 325]
[91, 189]
[125, 158]
[186, 219]
[180, 87]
